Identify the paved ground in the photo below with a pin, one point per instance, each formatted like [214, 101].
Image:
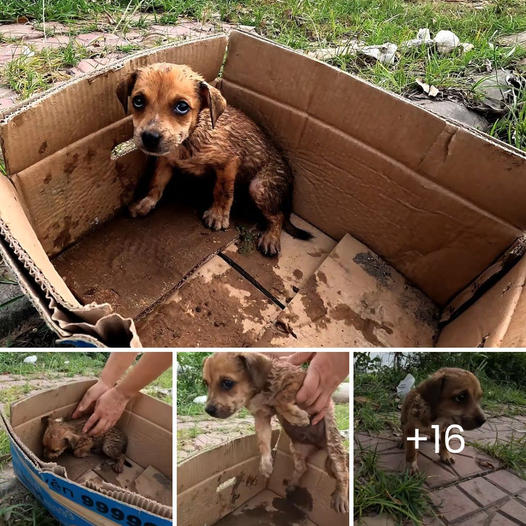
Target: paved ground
[474, 491]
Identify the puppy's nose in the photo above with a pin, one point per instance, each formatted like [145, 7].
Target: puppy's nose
[211, 410]
[151, 140]
[481, 419]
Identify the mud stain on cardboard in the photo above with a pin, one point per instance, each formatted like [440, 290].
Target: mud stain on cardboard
[288, 511]
[375, 267]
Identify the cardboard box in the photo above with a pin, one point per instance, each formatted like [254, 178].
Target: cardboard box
[86, 491]
[418, 221]
[227, 479]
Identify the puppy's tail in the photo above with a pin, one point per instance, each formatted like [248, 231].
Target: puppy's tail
[294, 231]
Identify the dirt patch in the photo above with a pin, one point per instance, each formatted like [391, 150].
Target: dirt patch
[375, 267]
[224, 311]
[134, 262]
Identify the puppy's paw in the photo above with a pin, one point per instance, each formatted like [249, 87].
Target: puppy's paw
[301, 419]
[216, 219]
[447, 458]
[117, 467]
[142, 207]
[339, 502]
[412, 467]
[268, 244]
[265, 466]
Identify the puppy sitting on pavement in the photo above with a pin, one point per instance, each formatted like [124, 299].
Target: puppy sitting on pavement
[266, 387]
[449, 396]
[186, 124]
[62, 435]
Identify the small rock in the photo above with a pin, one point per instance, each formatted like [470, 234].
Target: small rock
[31, 359]
[456, 111]
[446, 42]
[513, 40]
[466, 46]
[385, 53]
[432, 91]
[200, 399]
[495, 89]
[423, 34]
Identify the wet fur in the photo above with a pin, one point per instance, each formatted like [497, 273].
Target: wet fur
[62, 435]
[212, 135]
[268, 387]
[433, 402]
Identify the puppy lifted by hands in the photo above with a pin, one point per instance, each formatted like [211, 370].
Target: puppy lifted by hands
[266, 387]
[186, 123]
[449, 396]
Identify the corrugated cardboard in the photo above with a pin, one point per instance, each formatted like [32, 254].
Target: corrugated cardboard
[227, 479]
[439, 205]
[85, 491]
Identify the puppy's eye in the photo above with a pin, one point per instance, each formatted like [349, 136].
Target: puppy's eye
[181, 108]
[460, 398]
[227, 384]
[139, 102]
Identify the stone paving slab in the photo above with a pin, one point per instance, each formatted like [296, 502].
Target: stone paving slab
[476, 489]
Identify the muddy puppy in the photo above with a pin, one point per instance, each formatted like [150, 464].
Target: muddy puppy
[62, 435]
[186, 124]
[449, 396]
[268, 387]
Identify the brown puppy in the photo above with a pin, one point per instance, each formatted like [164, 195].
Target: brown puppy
[268, 387]
[187, 124]
[449, 396]
[61, 435]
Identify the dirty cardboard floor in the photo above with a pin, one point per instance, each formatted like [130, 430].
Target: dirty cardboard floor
[188, 286]
[96, 468]
[269, 509]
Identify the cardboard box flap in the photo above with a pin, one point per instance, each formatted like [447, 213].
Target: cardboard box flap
[347, 164]
[497, 319]
[52, 120]
[437, 149]
[81, 186]
[23, 253]
[133, 499]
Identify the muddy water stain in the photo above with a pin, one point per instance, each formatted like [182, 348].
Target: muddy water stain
[288, 511]
[375, 267]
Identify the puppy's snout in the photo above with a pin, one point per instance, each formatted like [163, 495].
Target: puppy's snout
[211, 410]
[481, 418]
[151, 140]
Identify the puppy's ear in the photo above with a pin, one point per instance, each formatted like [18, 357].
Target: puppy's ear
[124, 89]
[212, 99]
[257, 366]
[431, 389]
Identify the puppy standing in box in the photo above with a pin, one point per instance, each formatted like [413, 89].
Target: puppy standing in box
[267, 387]
[187, 124]
[449, 396]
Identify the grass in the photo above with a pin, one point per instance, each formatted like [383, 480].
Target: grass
[310, 24]
[376, 406]
[401, 496]
[511, 454]
[5, 455]
[35, 71]
[53, 363]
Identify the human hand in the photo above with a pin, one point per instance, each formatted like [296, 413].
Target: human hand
[108, 409]
[326, 371]
[90, 397]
